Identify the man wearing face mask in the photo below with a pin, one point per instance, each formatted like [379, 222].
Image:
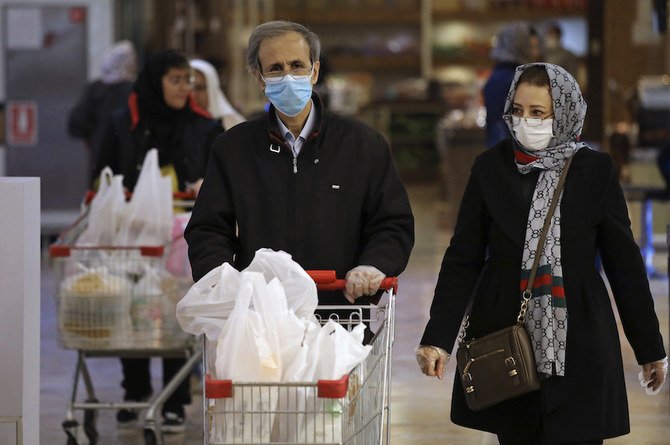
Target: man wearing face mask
[301, 179]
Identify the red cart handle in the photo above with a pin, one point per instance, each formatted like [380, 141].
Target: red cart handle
[327, 280]
[182, 196]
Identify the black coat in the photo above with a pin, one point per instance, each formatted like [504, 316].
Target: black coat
[344, 206]
[127, 141]
[89, 118]
[590, 401]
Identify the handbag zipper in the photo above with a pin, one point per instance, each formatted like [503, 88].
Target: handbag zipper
[472, 360]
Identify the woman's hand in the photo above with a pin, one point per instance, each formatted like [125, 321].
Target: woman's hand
[432, 360]
[653, 375]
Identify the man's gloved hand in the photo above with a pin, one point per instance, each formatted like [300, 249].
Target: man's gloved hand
[362, 280]
[653, 375]
[432, 360]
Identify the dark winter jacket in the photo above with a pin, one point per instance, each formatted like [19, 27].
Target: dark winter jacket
[340, 205]
[89, 118]
[128, 139]
[590, 402]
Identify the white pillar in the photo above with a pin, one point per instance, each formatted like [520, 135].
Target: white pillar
[19, 310]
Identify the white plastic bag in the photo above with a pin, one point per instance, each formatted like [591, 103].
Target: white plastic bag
[247, 351]
[208, 303]
[299, 287]
[148, 218]
[105, 212]
[332, 354]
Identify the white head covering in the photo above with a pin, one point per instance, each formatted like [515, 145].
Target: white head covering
[119, 63]
[218, 105]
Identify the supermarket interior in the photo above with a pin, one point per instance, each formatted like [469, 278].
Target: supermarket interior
[414, 71]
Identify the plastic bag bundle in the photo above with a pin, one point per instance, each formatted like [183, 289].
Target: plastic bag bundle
[148, 218]
[260, 327]
[105, 212]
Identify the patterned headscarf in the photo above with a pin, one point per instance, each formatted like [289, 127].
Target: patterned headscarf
[547, 316]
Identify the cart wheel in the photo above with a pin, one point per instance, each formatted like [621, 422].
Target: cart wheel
[149, 437]
[70, 427]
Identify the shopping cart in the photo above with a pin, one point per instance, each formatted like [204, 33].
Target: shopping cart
[353, 410]
[117, 302]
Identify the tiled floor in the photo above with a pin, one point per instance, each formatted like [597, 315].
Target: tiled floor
[420, 406]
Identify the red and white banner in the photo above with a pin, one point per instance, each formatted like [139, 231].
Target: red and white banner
[22, 123]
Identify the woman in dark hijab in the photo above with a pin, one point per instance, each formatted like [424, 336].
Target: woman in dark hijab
[162, 114]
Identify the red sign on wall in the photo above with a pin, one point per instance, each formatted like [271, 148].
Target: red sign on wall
[77, 15]
[22, 123]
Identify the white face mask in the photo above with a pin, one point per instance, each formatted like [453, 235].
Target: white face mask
[533, 137]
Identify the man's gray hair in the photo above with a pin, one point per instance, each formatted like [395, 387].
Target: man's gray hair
[278, 28]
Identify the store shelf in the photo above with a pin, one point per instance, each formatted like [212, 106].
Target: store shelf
[333, 16]
[404, 62]
[472, 60]
[505, 15]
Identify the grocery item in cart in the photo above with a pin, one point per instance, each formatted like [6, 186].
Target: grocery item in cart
[154, 299]
[94, 303]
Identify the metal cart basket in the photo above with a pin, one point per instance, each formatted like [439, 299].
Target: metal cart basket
[352, 410]
[117, 302]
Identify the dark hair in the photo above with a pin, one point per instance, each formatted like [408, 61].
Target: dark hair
[555, 29]
[171, 58]
[275, 29]
[535, 75]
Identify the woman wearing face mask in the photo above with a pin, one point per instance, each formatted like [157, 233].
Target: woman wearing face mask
[582, 399]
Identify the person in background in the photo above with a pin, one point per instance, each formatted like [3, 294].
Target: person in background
[320, 186]
[570, 320]
[515, 44]
[554, 52]
[88, 118]
[209, 96]
[161, 113]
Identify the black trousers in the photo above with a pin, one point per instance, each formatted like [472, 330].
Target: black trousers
[137, 381]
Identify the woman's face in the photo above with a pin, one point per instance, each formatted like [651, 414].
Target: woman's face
[532, 101]
[177, 85]
[200, 90]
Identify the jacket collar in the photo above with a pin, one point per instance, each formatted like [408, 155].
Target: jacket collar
[275, 132]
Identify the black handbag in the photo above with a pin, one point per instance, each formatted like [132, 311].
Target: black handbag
[501, 365]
